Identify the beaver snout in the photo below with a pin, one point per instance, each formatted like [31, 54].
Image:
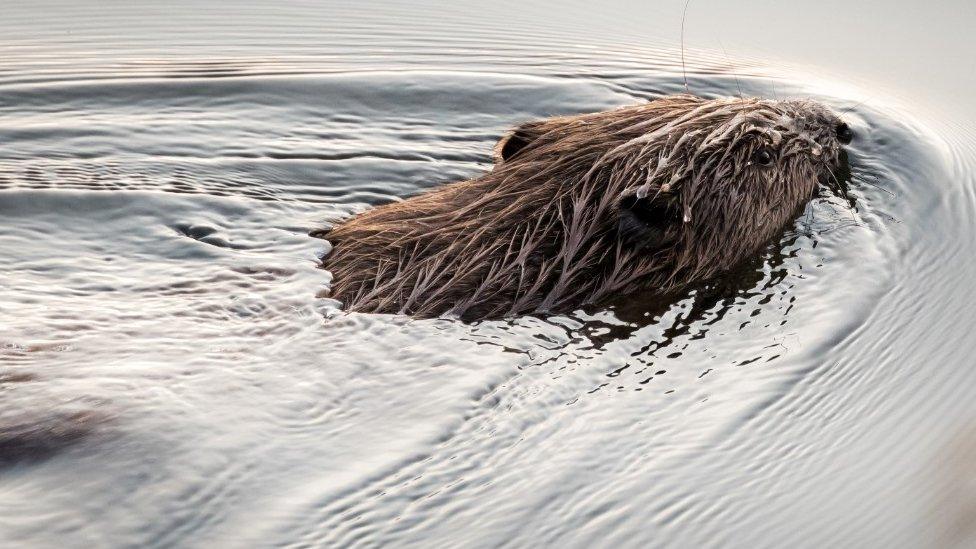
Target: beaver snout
[844, 133]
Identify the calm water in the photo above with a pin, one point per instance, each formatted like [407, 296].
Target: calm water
[168, 377]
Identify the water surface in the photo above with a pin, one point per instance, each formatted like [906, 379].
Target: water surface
[169, 377]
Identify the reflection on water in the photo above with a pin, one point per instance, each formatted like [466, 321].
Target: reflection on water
[168, 376]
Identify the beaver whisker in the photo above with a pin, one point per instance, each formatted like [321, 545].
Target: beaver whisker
[879, 187]
[839, 189]
[729, 61]
[856, 105]
[684, 71]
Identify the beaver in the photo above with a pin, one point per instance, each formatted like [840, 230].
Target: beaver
[581, 209]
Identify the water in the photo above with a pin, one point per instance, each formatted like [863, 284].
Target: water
[169, 377]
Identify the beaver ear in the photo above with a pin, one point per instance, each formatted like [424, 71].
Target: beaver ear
[516, 140]
[649, 223]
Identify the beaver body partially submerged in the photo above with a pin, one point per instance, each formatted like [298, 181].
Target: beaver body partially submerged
[581, 209]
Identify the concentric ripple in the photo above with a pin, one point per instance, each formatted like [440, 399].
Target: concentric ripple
[169, 377]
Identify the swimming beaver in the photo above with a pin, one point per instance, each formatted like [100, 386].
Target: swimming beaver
[580, 209]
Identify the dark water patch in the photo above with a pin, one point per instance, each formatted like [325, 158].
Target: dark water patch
[27, 438]
[7, 377]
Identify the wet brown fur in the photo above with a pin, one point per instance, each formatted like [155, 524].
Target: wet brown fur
[580, 209]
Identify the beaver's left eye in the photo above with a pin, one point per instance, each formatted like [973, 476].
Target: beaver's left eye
[762, 157]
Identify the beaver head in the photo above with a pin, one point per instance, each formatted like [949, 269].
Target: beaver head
[583, 208]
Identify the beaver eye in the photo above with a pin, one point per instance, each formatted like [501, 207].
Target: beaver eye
[763, 157]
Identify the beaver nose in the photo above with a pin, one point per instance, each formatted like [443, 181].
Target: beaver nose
[844, 133]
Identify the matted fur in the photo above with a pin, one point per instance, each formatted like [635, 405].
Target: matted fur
[579, 209]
